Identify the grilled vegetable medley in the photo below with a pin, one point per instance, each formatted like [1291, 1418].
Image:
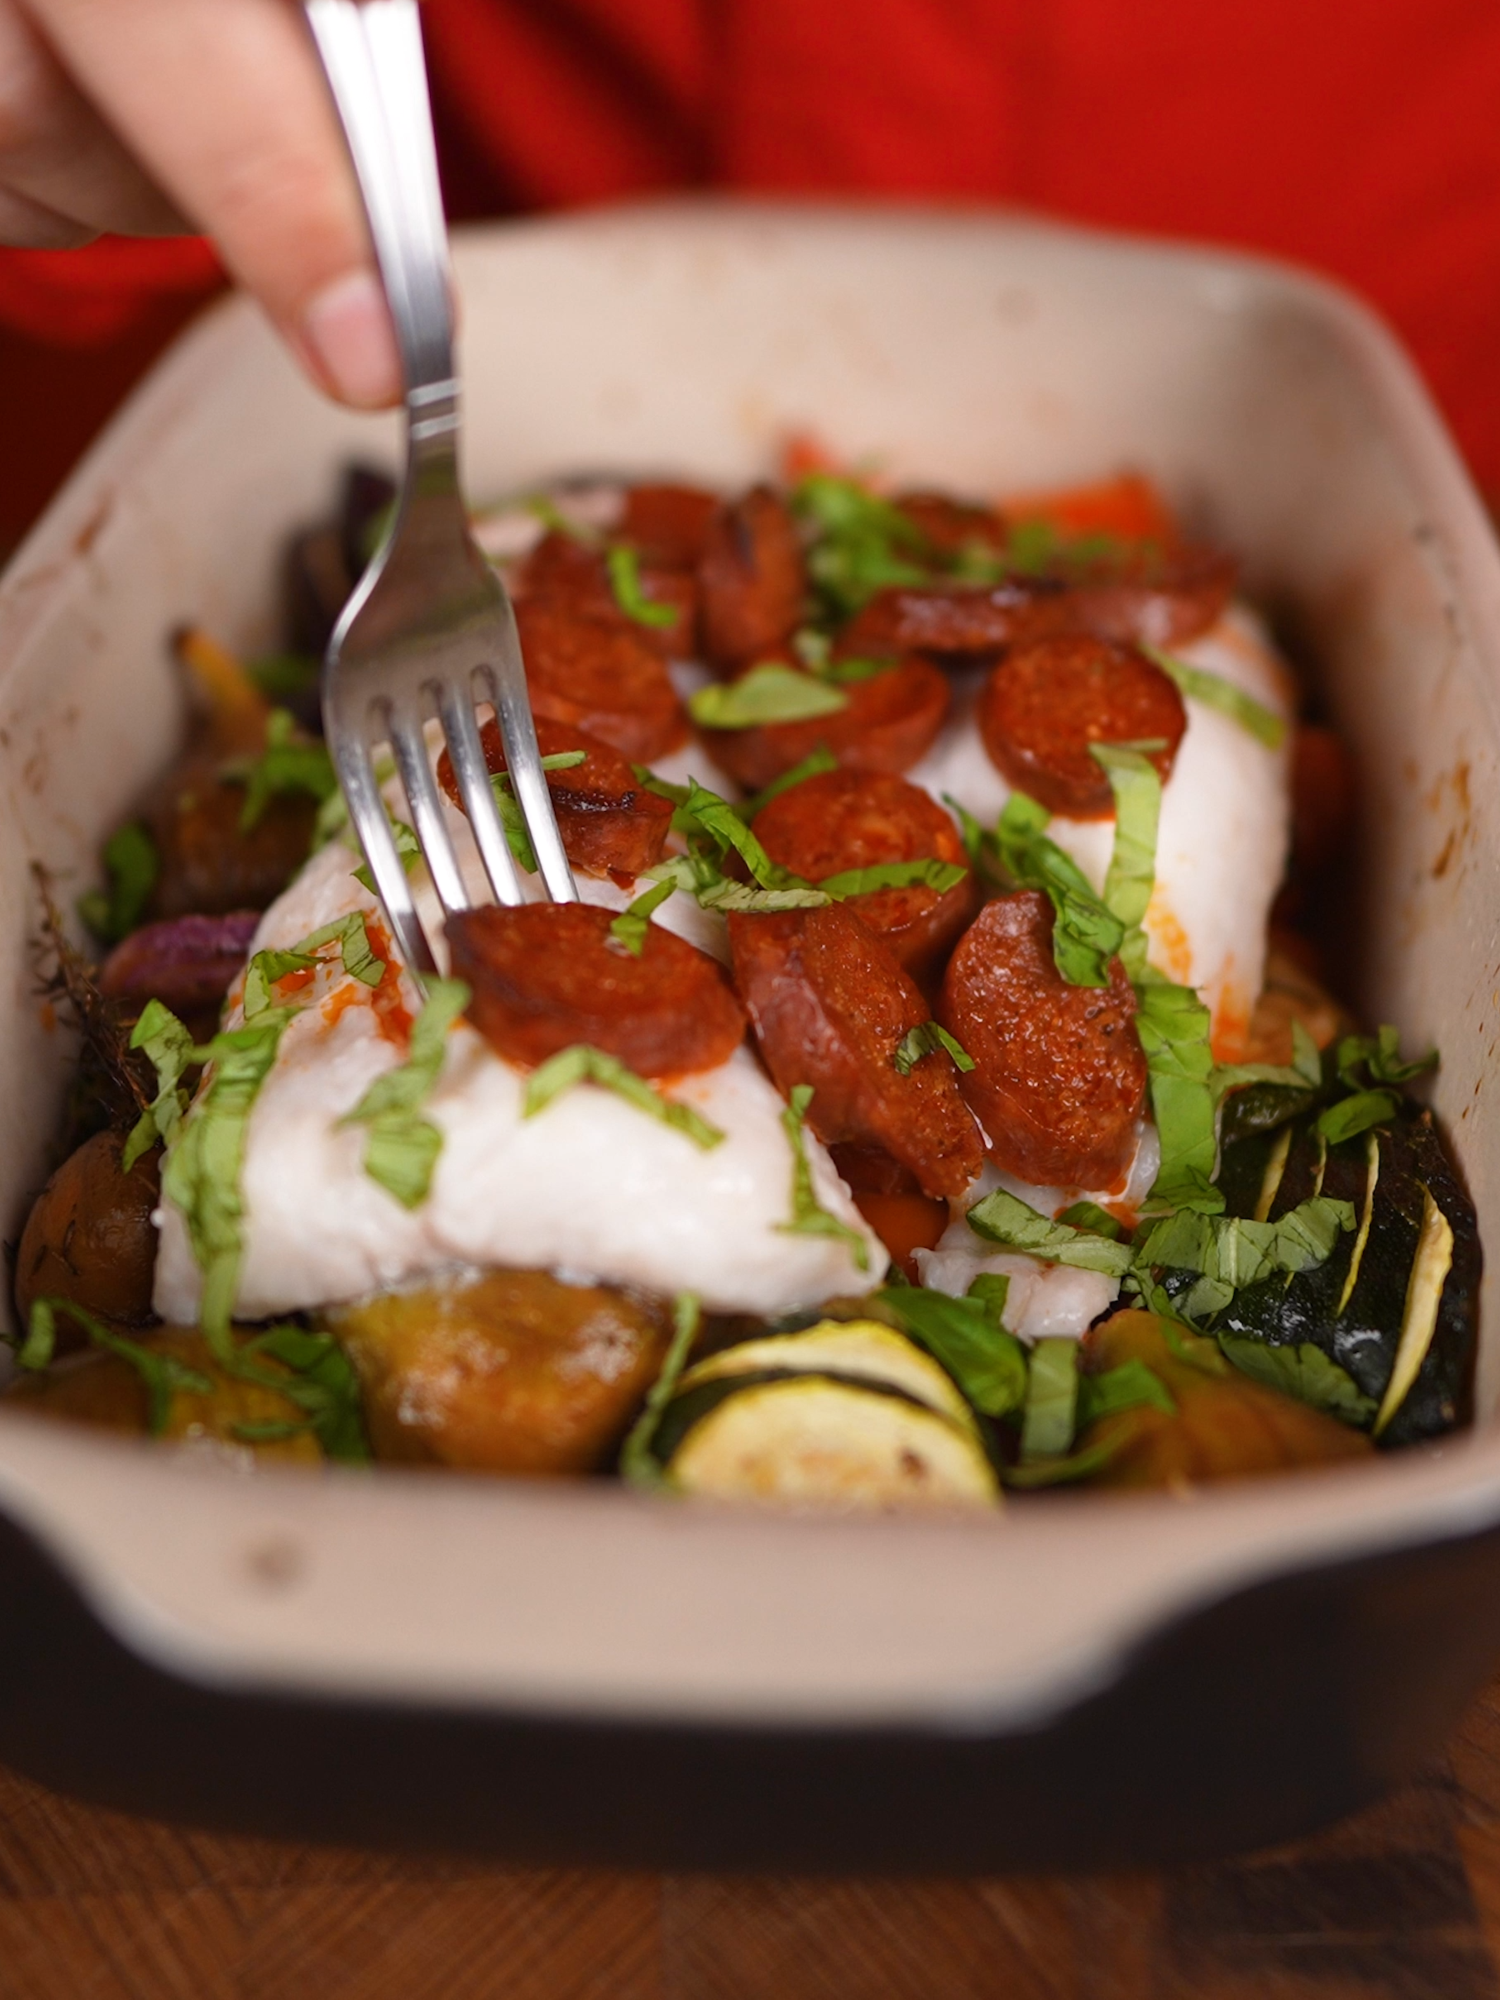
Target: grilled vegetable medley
[939, 1093]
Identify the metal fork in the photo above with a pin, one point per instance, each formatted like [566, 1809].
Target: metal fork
[430, 629]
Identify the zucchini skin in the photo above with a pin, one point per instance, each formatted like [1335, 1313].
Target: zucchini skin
[1364, 1336]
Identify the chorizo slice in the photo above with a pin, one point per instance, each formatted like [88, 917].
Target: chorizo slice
[751, 579]
[1147, 598]
[575, 576]
[1059, 1076]
[888, 724]
[1045, 704]
[602, 677]
[610, 824]
[830, 1007]
[546, 975]
[949, 527]
[668, 524]
[841, 820]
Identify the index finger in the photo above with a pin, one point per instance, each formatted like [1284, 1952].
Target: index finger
[225, 104]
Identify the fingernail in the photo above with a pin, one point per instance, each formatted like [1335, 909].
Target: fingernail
[347, 330]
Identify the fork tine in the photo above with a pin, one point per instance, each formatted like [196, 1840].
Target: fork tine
[368, 817]
[472, 773]
[409, 744]
[506, 679]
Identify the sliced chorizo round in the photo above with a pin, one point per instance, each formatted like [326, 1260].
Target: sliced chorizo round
[575, 576]
[751, 579]
[1059, 1076]
[668, 524]
[830, 1008]
[545, 976]
[602, 677]
[843, 820]
[1046, 704]
[610, 824]
[888, 723]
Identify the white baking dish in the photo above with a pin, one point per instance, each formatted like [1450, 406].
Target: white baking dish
[975, 352]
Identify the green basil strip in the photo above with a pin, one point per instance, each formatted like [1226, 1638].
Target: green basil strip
[201, 1174]
[925, 1040]
[1004, 1218]
[1173, 1025]
[583, 1064]
[1050, 1416]
[1131, 1386]
[630, 927]
[1198, 684]
[1380, 1055]
[1085, 934]
[351, 936]
[769, 693]
[169, 1047]
[1230, 1251]
[809, 1217]
[1359, 1113]
[625, 582]
[403, 1147]
[1305, 1072]
[284, 766]
[928, 873]
[163, 1374]
[408, 850]
[966, 1336]
[1136, 785]
[812, 766]
[638, 1464]
[1064, 1471]
[861, 542]
[1303, 1371]
[323, 1385]
[1089, 1215]
[131, 866]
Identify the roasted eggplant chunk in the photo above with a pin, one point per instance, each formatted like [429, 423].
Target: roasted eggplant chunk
[513, 1372]
[1396, 1304]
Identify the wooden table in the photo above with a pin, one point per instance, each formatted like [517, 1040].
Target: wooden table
[1401, 1903]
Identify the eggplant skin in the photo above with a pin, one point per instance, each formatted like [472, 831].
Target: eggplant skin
[513, 1371]
[1364, 1336]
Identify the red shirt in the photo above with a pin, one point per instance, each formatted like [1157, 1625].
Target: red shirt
[1359, 136]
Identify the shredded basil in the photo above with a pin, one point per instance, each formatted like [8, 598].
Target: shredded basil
[625, 582]
[1089, 1215]
[860, 544]
[201, 1174]
[632, 924]
[583, 1064]
[1086, 935]
[286, 765]
[1303, 1371]
[925, 1040]
[1049, 1419]
[1230, 1252]
[408, 850]
[1174, 1025]
[322, 1384]
[638, 1464]
[1064, 1471]
[169, 1048]
[992, 1289]
[1215, 692]
[926, 873]
[1304, 1074]
[1136, 785]
[1004, 1218]
[1131, 1386]
[1358, 1113]
[966, 1336]
[822, 759]
[769, 693]
[809, 1217]
[163, 1374]
[355, 951]
[131, 866]
[1379, 1054]
[403, 1147]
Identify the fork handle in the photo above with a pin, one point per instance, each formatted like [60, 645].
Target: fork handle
[372, 54]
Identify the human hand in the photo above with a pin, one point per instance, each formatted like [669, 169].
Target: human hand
[147, 117]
